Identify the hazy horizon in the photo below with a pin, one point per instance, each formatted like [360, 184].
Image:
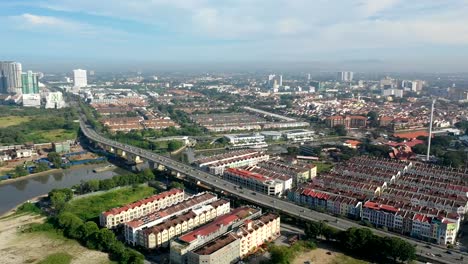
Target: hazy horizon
[356, 35]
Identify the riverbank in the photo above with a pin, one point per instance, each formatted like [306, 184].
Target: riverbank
[13, 210]
[32, 175]
[42, 173]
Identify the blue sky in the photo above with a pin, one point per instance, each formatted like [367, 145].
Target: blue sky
[416, 34]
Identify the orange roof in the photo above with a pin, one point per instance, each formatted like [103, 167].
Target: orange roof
[118, 210]
[410, 135]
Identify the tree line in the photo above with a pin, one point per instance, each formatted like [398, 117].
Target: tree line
[363, 243]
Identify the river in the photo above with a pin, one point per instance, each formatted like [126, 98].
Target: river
[17, 192]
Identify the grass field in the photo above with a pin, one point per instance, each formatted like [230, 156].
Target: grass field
[90, 207]
[343, 259]
[7, 121]
[50, 135]
[323, 167]
[57, 258]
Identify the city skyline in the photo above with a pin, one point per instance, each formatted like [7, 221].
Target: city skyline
[355, 35]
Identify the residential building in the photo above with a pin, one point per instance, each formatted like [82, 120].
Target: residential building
[299, 173]
[54, 100]
[345, 76]
[240, 141]
[223, 250]
[298, 135]
[202, 235]
[239, 243]
[348, 121]
[217, 163]
[31, 100]
[30, 82]
[80, 79]
[393, 92]
[10, 77]
[256, 181]
[198, 201]
[120, 215]
[160, 235]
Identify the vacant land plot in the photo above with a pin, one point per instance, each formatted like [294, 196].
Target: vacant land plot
[7, 121]
[326, 255]
[41, 247]
[55, 135]
[90, 207]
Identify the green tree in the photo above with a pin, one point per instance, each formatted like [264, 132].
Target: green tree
[92, 185]
[55, 158]
[174, 145]
[281, 254]
[340, 130]
[373, 118]
[177, 185]
[147, 175]
[58, 200]
[87, 229]
[106, 184]
[20, 171]
[313, 229]
[40, 167]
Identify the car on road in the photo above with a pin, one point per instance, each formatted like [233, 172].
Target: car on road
[428, 246]
[254, 193]
[448, 252]
[438, 255]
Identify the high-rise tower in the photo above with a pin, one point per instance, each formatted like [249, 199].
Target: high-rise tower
[10, 77]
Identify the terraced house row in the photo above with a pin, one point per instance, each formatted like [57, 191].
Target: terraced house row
[120, 215]
[423, 201]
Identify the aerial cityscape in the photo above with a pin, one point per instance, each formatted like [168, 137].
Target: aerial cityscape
[148, 139]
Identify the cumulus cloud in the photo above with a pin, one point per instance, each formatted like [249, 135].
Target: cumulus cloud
[292, 26]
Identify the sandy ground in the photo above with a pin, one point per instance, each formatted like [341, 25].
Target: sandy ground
[16, 247]
[319, 256]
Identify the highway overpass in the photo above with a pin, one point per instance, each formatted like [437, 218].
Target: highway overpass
[284, 206]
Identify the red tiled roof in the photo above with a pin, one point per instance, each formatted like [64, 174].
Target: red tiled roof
[118, 210]
[223, 220]
[410, 135]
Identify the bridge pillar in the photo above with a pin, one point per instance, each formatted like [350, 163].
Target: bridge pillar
[121, 153]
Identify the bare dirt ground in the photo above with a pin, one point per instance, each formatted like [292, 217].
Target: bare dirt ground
[16, 247]
[324, 254]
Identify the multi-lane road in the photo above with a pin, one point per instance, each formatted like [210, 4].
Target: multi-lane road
[433, 252]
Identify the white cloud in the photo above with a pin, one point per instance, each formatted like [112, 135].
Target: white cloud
[27, 20]
[296, 26]
[290, 26]
[373, 7]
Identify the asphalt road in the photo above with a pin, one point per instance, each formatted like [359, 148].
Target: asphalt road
[269, 201]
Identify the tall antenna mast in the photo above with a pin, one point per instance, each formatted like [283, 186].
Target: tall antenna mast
[430, 131]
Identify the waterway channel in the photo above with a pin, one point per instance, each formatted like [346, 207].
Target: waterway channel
[14, 193]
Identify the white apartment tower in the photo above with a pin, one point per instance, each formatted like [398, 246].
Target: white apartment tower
[10, 77]
[79, 78]
[345, 76]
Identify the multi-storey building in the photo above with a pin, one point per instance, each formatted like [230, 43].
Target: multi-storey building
[250, 235]
[132, 228]
[10, 77]
[202, 235]
[217, 163]
[120, 215]
[258, 182]
[348, 121]
[30, 82]
[239, 141]
[160, 235]
[299, 173]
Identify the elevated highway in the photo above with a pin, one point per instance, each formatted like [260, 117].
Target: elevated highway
[260, 199]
